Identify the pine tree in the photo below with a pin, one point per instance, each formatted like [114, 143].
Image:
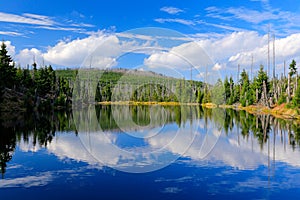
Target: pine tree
[232, 94]
[246, 96]
[227, 92]
[293, 68]
[258, 82]
[7, 68]
[218, 93]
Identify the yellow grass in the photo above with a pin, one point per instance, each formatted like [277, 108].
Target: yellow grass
[144, 103]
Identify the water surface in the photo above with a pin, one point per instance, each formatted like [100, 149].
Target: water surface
[188, 153]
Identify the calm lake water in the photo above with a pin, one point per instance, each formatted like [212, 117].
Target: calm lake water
[149, 152]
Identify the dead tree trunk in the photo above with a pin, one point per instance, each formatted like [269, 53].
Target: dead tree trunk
[265, 95]
[289, 89]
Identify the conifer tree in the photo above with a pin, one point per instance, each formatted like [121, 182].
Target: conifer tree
[7, 68]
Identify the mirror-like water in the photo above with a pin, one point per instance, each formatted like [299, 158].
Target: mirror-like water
[147, 152]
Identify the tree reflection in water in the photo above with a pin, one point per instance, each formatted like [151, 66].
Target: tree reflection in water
[42, 127]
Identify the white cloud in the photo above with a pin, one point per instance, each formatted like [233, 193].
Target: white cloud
[176, 20]
[227, 52]
[10, 48]
[231, 44]
[27, 181]
[217, 67]
[285, 49]
[41, 22]
[10, 33]
[28, 56]
[57, 28]
[283, 22]
[184, 56]
[221, 52]
[248, 15]
[101, 49]
[171, 10]
[26, 19]
[74, 53]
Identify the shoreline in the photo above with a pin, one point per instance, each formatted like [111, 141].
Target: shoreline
[278, 111]
[146, 103]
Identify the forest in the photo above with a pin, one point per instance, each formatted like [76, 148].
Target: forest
[43, 88]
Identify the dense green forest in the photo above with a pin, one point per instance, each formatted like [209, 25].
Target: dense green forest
[44, 88]
[32, 89]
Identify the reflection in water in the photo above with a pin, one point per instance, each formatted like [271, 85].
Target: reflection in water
[32, 129]
[248, 141]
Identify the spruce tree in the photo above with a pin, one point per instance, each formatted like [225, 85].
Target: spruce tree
[7, 68]
[259, 80]
[227, 90]
[293, 68]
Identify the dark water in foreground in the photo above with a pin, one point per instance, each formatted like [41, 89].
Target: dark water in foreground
[142, 152]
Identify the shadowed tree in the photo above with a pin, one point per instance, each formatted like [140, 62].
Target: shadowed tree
[7, 68]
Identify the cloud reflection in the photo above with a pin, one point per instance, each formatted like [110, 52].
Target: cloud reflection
[231, 150]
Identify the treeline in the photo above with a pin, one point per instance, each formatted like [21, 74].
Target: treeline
[132, 85]
[260, 90]
[155, 90]
[32, 89]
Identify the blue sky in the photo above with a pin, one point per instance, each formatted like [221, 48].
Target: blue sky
[230, 31]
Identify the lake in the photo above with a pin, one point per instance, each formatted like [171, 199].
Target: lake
[149, 152]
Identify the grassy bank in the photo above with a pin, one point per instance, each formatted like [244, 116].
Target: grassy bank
[279, 111]
[136, 103]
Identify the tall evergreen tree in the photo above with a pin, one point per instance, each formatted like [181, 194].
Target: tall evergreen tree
[258, 82]
[7, 68]
[246, 96]
[227, 92]
[293, 68]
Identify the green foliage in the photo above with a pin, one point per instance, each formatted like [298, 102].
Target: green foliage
[200, 96]
[296, 98]
[218, 93]
[39, 88]
[258, 82]
[282, 98]
[227, 92]
[293, 68]
[207, 95]
[246, 96]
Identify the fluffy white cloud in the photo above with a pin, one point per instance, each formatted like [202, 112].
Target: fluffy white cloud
[231, 44]
[184, 56]
[227, 51]
[100, 50]
[208, 51]
[285, 49]
[74, 53]
[28, 56]
[218, 53]
[10, 48]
